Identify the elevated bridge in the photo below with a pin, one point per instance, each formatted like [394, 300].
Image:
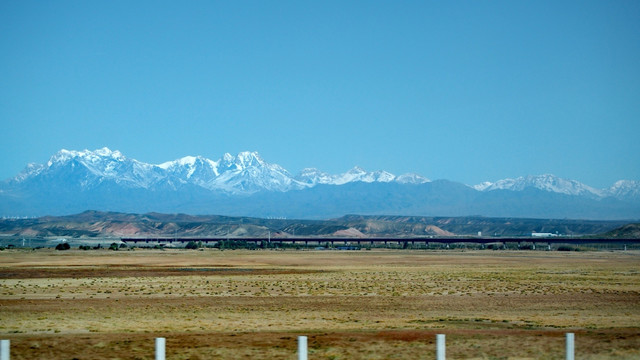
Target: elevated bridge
[364, 241]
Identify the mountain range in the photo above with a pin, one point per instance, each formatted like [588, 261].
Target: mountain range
[247, 185]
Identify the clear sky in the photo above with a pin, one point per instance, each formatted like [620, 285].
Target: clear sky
[462, 90]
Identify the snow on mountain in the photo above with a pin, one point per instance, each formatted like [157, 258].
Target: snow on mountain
[379, 176]
[411, 178]
[483, 186]
[625, 189]
[361, 175]
[247, 173]
[355, 174]
[92, 168]
[105, 179]
[196, 170]
[29, 171]
[97, 159]
[312, 176]
[545, 182]
[244, 173]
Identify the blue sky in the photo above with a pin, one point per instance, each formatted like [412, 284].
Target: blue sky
[463, 90]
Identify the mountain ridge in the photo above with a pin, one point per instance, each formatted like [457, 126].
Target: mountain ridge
[225, 174]
[186, 167]
[91, 224]
[247, 185]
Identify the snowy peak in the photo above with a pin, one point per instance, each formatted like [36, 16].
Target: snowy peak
[108, 179]
[555, 184]
[242, 161]
[188, 162]
[247, 173]
[411, 178]
[625, 189]
[379, 176]
[546, 182]
[359, 174]
[247, 159]
[197, 167]
[91, 168]
[31, 170]
[313, 176]
[101, 162]
[355, 174]
[86, 156]
[482, 186]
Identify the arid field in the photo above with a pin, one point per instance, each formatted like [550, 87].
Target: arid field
[379, 304]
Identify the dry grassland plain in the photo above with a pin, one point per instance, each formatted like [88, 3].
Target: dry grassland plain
[380, 304]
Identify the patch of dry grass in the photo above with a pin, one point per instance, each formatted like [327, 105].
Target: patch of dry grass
[367, 304]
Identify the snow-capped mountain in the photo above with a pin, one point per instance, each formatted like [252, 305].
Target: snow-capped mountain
[29, 171]
[312, 177]
[545, 182]
[359, 174]
[247, 185]
[623, 189]
[88, 169]
[245, 173]
[191, 166]
[412, 178]
[249, 173]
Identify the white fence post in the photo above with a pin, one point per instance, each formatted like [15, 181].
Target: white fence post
[4, 349]
[302, 348]
[440, 347]
[570, 346]
[160, 347]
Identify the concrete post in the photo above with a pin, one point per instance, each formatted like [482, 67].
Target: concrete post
[302, 348]
[4, 349]
[570, 346]
[440, 347]
[160, 348]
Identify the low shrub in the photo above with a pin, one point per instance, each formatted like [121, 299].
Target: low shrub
[567, 248]
[63, 246]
